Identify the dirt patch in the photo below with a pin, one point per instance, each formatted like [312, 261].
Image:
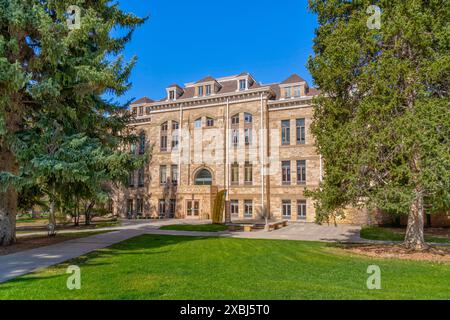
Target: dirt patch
[434, 254]
[26, 243]
[31, 242]
[439, 232]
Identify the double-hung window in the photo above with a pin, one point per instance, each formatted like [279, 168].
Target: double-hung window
[300, 131]
[248, 173]
[285, 132]
[286, 208]
[301, 171]
[286, 172]
[162, 174]
[248, 208]
[301, 209]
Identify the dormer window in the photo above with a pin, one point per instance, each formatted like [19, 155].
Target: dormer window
[208, 89]
[134, 111]
[141, 110]
[288, 92]
[200, 91]
[172, 94]
[242, 84]
[297, 91]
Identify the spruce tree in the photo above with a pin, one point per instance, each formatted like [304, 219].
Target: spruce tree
[56, 126]
[382, 123]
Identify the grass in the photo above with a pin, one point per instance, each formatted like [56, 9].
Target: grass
[196, 227]
[379, 233]
[106, 224]
[176, 267]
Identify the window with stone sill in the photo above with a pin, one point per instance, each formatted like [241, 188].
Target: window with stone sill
[287, 92]
[141, 177]
[301, 209]
[235, 120]
[174, 170]
[234, 207]
[209, 122]
[285, 132]
[130, 206]
[248, 208]
[300, 131]
[286, 172]
[286, 208]
[248, 173]
[235, 137]
[235, 174]
[248, 118]
[248, 136]
[301, 171]
[131, 179]
[162, 174]
[242, 84]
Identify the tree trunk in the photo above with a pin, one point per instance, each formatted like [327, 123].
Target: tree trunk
[8, 201]
[52, 219]
[414, 238]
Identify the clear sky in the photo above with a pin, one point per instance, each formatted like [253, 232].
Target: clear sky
[184, 41]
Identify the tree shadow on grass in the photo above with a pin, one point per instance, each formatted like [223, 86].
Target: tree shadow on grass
[131, 246]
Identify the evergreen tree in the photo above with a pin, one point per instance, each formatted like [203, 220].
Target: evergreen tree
[382, 123]
[53, 114]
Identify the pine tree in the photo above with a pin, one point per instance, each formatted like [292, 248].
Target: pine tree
[382, 124]
[53, 111]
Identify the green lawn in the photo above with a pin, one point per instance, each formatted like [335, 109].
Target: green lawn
[379, 233]
[172, 267]
[196, 227]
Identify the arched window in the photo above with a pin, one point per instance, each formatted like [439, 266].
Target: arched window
[203, 177]
[142, 143]
[248, 118]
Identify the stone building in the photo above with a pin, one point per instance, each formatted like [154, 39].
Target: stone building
[231, 133]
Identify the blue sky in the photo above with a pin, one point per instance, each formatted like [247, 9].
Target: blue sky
[184, 41]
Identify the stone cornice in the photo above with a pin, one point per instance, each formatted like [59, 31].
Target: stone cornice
[282, 103]
[212, 99]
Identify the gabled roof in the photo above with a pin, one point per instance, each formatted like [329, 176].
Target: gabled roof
[143, 100]
[295, 78]
[313, 92]
[175, 85]
[206, 79]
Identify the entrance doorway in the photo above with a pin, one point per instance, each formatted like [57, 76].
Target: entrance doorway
[192, 208]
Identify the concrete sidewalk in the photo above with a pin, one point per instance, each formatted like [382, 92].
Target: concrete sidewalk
[20, 263]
